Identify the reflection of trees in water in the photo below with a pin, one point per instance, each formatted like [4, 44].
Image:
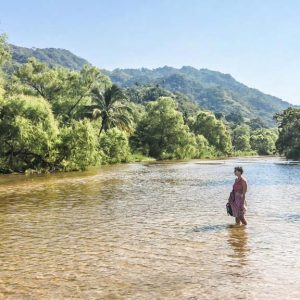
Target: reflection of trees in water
[237, 240]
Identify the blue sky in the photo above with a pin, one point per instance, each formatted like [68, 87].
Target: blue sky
[258, 42]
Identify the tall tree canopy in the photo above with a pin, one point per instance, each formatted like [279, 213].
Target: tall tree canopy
[241, 138]
[288, 142]
[4, 50]
[162, 133]
[263, 141]
[113, 108]
[28, 133]
[66, 90]
[213, 130]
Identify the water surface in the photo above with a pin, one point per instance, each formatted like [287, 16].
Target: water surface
[151, 231]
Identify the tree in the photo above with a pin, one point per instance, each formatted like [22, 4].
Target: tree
[87, 79]
[235, 117]
[114, 146]
[113, 108]
[4, 58]
[146, 93]
[143, 94]
[203, 148]
[256, 123]
[28, 134]
[264, 141]
[241, 138]
[219, 115]
[78, 146]
[213, 130]
[66, 90]
[288, 142]
[4, 50]
[162, 133]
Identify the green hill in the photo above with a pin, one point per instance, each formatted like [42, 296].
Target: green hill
[51, 56]
[212, 90]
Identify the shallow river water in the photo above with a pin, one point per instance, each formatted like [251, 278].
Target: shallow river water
[151, 231]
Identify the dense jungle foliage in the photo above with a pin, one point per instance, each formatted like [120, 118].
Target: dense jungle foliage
[55, 118]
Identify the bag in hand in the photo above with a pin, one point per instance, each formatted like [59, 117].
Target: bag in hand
[228, 204]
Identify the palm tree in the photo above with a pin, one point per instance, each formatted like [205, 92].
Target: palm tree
[112, 106]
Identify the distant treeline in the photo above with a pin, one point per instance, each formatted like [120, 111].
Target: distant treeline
[53, 118]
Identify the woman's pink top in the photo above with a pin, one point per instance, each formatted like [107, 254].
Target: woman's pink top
[237, 186]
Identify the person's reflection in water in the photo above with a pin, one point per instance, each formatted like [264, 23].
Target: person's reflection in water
[237, 240]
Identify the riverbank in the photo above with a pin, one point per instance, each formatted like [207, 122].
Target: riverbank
[141, 158]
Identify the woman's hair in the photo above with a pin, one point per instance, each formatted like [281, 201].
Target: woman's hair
[240, 169]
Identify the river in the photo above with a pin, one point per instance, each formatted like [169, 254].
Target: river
[155, 230]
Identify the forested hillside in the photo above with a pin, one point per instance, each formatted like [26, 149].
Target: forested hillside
[51, 56]
[212, 90]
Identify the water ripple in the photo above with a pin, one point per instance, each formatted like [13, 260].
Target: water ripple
[151, 231]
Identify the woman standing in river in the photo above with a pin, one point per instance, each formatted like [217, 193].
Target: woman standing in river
[239, 205]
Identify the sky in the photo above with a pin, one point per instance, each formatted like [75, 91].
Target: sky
[257, 42]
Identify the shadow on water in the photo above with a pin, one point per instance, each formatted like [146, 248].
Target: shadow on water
[210, 228]
[217, 227]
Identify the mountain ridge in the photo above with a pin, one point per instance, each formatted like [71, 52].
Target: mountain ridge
[51, 56]
[212, 90]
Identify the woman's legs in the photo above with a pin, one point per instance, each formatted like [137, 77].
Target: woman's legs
[243, 219]
[237, 221]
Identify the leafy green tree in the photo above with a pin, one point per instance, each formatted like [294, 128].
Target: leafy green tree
[235, 117]
[31, 138]
[114, 146]
[78, 147]
[142, 94]
[66, 90]
[113, 108]
[4, 58]
[219, 115]
[241, 138]
[162, 133]
[256, 123]
[203, 148]
[4, 50]
[264, 141]
[40, 80]
[213, 130]
[288, 142]
[88, 79]
[28, 134]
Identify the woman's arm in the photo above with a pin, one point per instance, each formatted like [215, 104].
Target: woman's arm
[244, 185]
